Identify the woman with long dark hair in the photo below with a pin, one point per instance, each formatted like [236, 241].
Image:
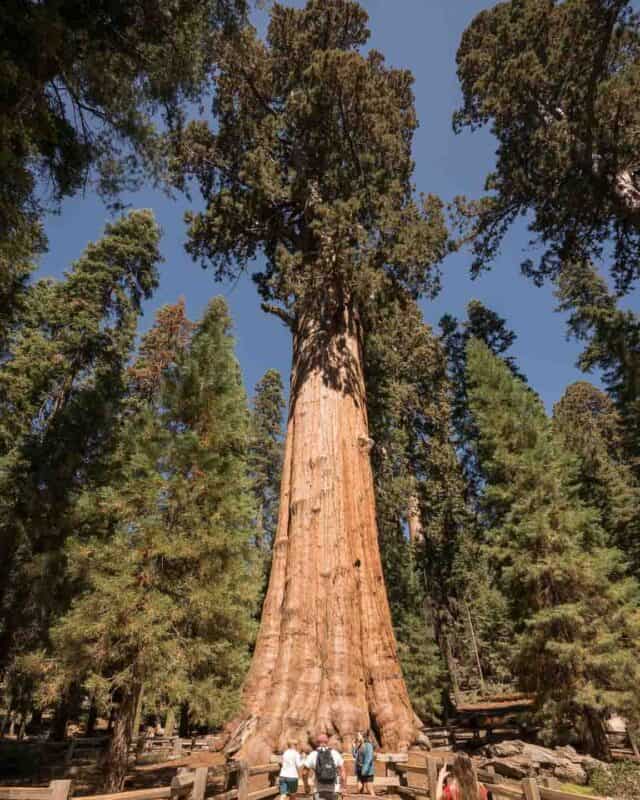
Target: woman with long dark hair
[459, 782]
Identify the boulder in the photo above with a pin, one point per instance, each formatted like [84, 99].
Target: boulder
[566, 751]
[508, 769]
[571, 772]
[505, 749]
[541, 756]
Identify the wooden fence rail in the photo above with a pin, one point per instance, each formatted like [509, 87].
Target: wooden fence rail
[243, 782]
[527, 789]
[186, 785]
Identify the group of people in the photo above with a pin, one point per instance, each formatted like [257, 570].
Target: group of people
[455, 782]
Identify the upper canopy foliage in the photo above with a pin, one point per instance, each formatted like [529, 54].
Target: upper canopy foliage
[559, 83]
[82, 85]
[310, 161]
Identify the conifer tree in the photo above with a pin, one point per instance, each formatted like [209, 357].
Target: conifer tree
[60, 391]
[266, 454]
[310, 163]
[484, 324]
[577, 613]
[612, 337]
[169, 581]
[591, 428]
[557, 80]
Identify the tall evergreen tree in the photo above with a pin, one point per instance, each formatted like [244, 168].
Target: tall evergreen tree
[60, 391]
[558, 82]
[484, 324]
[577, 614]
[266, 455]
[612, 337]
[591, 428]
[310, 162]
[169, 580]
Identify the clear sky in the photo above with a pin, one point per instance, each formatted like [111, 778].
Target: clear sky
[421, 35]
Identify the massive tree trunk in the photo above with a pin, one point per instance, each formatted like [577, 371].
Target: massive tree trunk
[325, 659]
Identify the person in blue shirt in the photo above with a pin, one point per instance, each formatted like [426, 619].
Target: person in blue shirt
[365, 765]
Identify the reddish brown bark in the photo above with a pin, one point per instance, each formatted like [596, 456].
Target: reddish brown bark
[325, 659]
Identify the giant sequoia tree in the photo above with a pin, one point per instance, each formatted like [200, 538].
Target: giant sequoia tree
[310, 163]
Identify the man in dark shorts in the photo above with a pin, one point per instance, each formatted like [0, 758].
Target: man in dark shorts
[328, 766]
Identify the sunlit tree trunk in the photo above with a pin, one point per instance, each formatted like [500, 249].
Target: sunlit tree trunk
[116, 759]
[325, 659]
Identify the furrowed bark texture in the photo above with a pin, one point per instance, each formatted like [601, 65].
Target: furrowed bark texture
[325, 659]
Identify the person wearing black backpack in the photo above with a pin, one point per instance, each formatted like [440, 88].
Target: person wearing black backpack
[328, 767]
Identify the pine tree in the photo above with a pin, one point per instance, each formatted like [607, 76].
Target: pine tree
[591, 428]
[169, 580]
[310, 163]
[577, 614]
[484, 324]
[558, 83]
[612, 337]
[60, 392]
[266, 455]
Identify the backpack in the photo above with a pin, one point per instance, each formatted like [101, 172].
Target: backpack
[326, 771]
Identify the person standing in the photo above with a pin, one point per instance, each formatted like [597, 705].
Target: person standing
[292, 762]
[327, 765]
[364, 762]
[460, 783]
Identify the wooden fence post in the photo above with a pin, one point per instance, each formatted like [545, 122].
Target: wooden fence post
[243, 780]
[200, 783]
[60, 790]
[530, 789]
[432, 776]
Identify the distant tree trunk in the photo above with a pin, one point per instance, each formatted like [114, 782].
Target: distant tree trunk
[185, 725]
[416, 533]
[34, 725]
[170, 722]
[474, 645]
[325, 658]
[597, 743]
[92, 718]
[66, 707]
[116, 760]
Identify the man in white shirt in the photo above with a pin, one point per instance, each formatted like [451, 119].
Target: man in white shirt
[328, 766]
[292, 761]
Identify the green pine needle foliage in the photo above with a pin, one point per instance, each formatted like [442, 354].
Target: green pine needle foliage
[577, 613]
[169, 575]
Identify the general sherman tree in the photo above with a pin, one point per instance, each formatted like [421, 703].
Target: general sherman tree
[310, 164]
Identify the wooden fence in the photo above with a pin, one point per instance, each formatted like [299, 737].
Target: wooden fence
[413, 777]
[235, 780]
[419, 781]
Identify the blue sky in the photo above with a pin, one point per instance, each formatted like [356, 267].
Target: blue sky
[421, 35]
